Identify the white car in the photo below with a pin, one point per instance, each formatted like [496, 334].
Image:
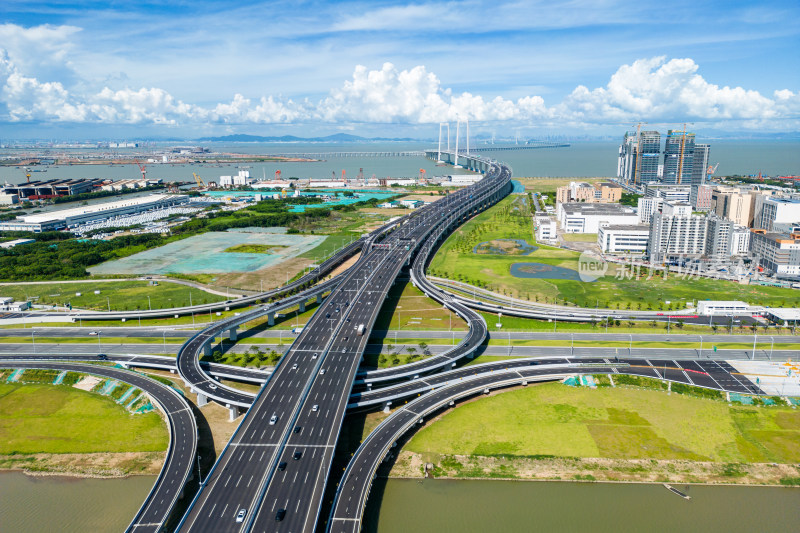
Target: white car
[273, 420]
[240, 515]
[315, 408]
[93, 333]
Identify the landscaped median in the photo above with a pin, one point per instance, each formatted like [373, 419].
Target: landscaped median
[633, 431]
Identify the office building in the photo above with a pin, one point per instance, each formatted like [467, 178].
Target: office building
[623, 238]
[546, 229]
[645, 207]
[674, 233]
[639, 157]
[588, 218]
[678, 158]
[777, 253]
[700, 197]
[740, 241]
[670, 193]
[733, 204]
[578, 191]
[770, 210]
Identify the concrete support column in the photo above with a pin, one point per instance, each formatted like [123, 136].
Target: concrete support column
[386, 407]
[202, 399]
[319, 298]
[270, 319]
[302, 307]
[232, 333]
[207, 349]
[233, 412]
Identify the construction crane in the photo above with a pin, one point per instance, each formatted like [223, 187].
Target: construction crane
[143, 168]
[679, 177]
[360, 176]
[277, 175]
[199, 180]
[710, 171]
[422, 176]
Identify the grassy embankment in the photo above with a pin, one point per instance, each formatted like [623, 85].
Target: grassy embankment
[627, 433]
[510, 219]
[58, 428]
[120, 295]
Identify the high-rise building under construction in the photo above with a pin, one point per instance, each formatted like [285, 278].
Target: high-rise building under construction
[639, 157]
[678, 157]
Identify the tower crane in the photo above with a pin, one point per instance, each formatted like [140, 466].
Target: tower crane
[710, 171]
[277, 175]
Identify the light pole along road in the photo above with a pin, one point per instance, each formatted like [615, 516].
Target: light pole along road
[296, 417]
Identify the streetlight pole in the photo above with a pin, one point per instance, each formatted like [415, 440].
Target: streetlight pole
[571, 344]
[701, 346]
[149, 306]
[108, 300]
[99, 345]
[771, 345]
[164, 336]
[199, 475]
[33, 339]
[630, 346]
[755, 336]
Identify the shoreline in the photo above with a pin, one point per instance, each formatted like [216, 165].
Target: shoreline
[410, 465]
[96, 465]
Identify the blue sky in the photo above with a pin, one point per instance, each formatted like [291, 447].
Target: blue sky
[137, 68]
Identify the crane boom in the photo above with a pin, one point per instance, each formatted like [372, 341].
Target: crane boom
[199, 180]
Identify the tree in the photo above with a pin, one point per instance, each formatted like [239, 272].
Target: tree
[423, 346]
[714, 328]
[679, 324]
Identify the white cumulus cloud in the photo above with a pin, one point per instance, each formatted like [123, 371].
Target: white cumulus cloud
[654, 89]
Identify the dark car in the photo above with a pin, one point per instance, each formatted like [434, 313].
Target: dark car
[280, 514]
[282, 466]
[297, 455]
[102, 357]
[297, 429]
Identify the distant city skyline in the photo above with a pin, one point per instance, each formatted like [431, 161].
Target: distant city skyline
[86, 70]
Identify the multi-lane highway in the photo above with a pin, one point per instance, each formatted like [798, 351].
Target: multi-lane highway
[179, 460]
[296, 417]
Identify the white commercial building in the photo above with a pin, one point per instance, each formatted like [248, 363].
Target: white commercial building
[677, 236]
[56, 220]
[778, 253]
[546, 230]
[624, 239]
[8, 199]
[770, 210]
[646, 207]
[239, 180]
[724, 307]
[588, 218]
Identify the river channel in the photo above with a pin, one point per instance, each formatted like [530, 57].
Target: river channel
[436, 506]
[66, 504]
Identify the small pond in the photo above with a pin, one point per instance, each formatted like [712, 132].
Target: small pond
[543, 271]
[504, 247]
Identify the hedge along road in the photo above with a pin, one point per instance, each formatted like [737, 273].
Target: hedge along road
[155, 510]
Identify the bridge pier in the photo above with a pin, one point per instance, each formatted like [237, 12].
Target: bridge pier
[319, 298]
[233, 412]
[271, 319]
[232, 333]
[202, 399]
[387, 407]
[303, 307]
[207, 349]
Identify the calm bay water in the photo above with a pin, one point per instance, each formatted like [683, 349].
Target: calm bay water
[582, 159]
[471, 506]
[66, 504]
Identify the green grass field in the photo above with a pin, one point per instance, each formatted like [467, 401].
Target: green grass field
[626, 423]
[120, 295]
[255, 248]
[510, 219]
[60, 419]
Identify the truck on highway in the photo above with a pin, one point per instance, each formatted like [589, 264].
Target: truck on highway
[360, 330]
[297, 330]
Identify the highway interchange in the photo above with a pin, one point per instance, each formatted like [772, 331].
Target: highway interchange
[272, 474]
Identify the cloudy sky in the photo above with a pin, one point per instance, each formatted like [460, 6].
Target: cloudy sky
[94, 69]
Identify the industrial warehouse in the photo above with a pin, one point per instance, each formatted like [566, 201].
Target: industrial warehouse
[66, 218]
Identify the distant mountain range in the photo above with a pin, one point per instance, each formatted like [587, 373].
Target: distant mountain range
[336, 138]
